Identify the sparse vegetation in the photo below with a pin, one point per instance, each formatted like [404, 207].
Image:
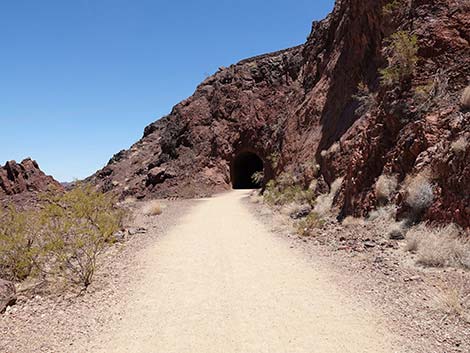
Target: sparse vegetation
[454, 301]
[63, 239]
[286, 190]
[402, 58]
[392, 8]
[274, 159]
[18, 244]
[439, 246]
[306, 225]
[465, 99]
[385, 187]
[257, 178]
[153, 208]
[367, 99]
[419, 192]
[460, 145]
[324, 202]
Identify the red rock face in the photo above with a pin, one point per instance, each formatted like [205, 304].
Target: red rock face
[24, 178]
[289, 106]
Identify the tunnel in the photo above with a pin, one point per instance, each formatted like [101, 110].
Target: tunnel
[244, 166]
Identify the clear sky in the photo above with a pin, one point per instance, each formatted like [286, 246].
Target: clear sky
[81, 79]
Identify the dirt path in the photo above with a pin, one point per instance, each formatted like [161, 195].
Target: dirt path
[220, 282]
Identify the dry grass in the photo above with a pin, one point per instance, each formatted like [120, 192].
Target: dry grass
[385, 214]
[419, 192]
[324, 203]
[385, 187]
[439, 246]
[352, 221]
[454, 301]
[460, 145]
[465, 99]
[154, 208]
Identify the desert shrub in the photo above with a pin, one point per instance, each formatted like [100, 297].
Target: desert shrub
[392, 8]
[309, 223]
[385, 213]
[419, 192]
[454, 301]
[460, 145]
[61, 239]
[385, 187]
[287, 190]
[76, 228]
[465, 99]
[353, 221]
[153, 208]
[274, 158]
[257, 178]
[402, 58]
[367, 100]
[439, 246]
[18, 244]
[324, 202]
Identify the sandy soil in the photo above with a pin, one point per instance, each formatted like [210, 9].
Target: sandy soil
[221, 282]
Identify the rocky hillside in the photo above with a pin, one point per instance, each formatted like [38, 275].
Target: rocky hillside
[20, 181]
[374, 91]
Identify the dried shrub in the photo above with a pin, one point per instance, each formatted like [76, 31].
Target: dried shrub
[367, 100]
[419, 192]
[353, 221]
[324, 202]
[387, 213]
[402, 58]
[439, 246]
[465, 99]
[454, 301]
[385, 187]
[460, 145]
[432, 93]
[153, 208]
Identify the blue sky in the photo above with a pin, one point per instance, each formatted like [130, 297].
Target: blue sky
[81, 79]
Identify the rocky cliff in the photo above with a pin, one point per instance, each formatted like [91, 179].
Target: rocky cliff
[18, 181]
[324, 102]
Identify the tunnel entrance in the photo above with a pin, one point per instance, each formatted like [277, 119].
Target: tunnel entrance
[244, 166]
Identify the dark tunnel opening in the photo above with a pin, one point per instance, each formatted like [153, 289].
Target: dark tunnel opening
[244, 166]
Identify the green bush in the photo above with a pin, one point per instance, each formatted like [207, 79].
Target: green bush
[62, 238]
[77, 226]
[392, 8]
[309, 223]
[287, 190]
[402, 58]
[18, 244]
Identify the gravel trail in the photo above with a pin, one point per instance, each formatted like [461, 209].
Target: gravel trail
[219, 281]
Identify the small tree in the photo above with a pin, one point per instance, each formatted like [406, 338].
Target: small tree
[18, 243]
[77, 227]
[402, 58]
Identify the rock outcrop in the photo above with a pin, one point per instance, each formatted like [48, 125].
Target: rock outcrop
[305, 105]
[22, 180]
